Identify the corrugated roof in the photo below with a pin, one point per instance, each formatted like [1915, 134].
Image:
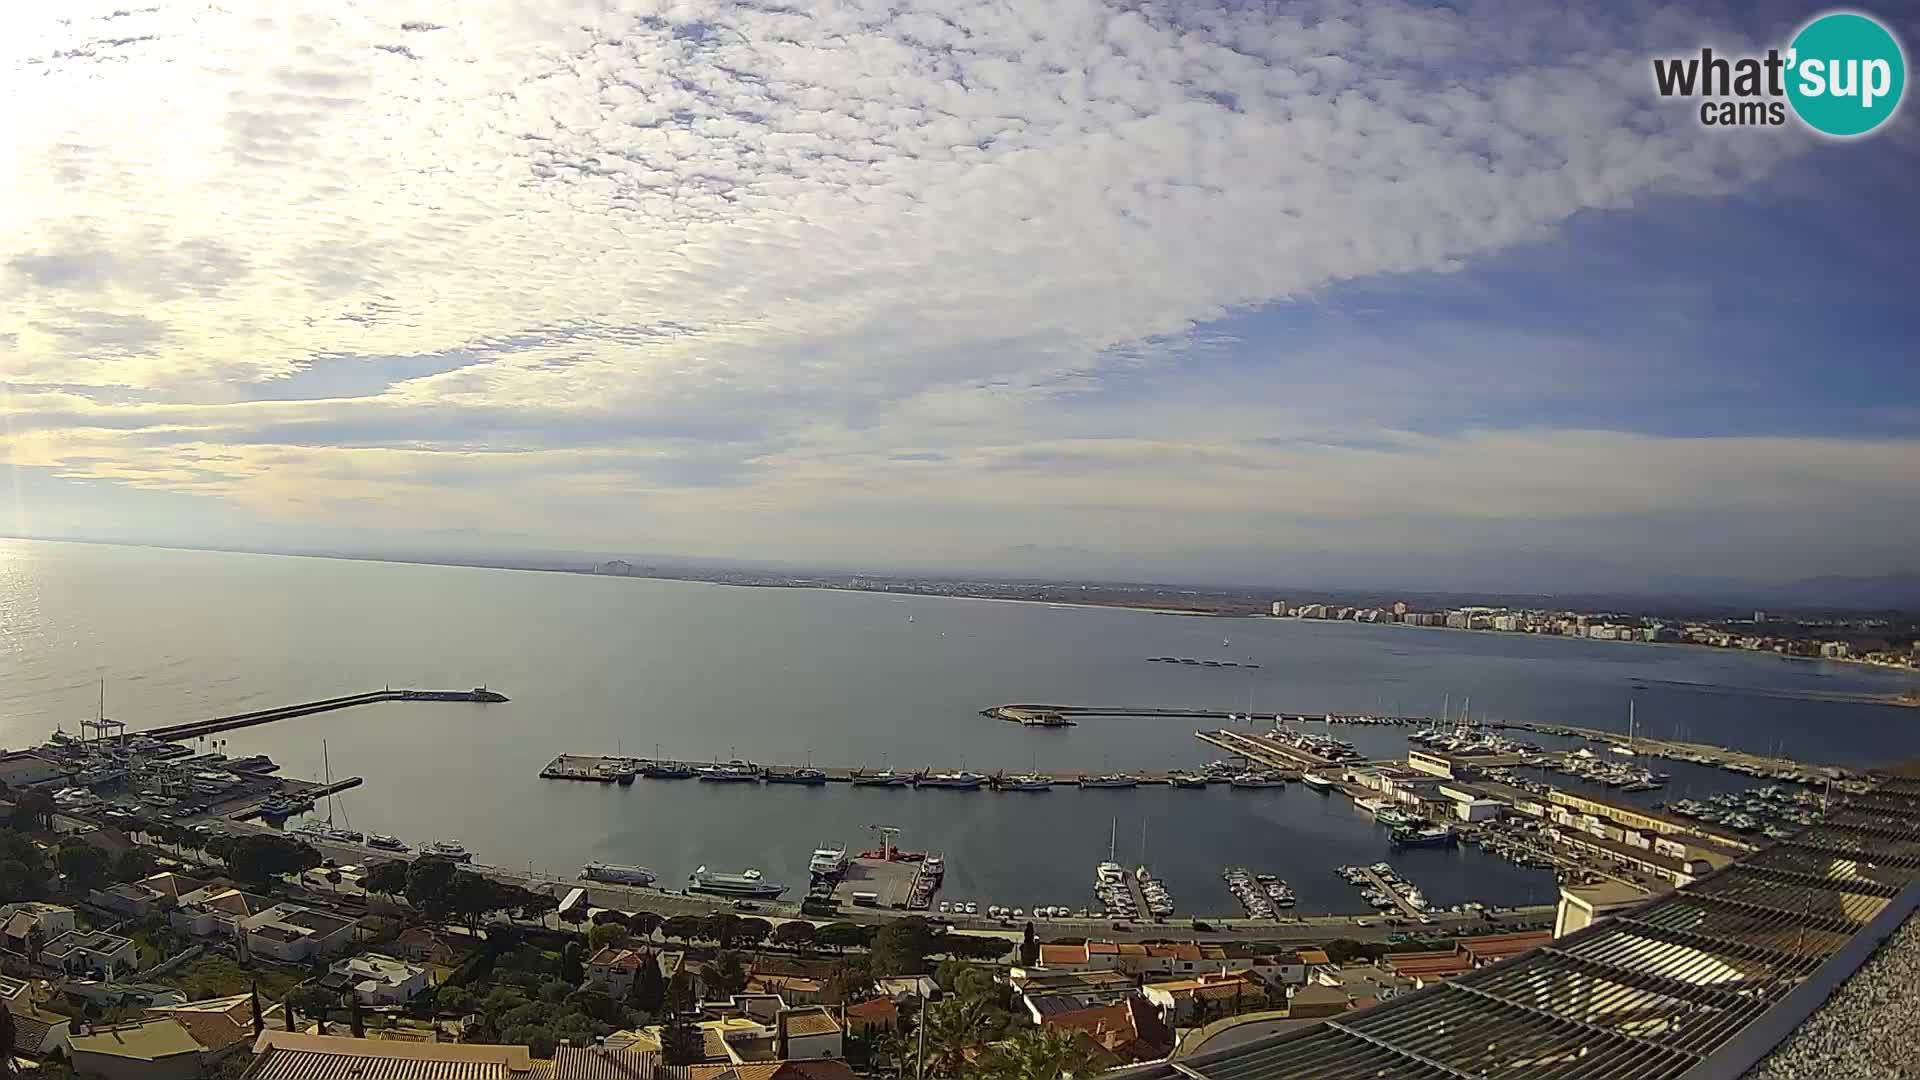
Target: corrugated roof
[286, 1055]
[595, 1063]
[1651, 992]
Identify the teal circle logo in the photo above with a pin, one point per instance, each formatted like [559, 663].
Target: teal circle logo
[1845, 74]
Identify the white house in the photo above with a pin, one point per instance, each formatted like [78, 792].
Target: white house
[91, 952]
[808, 1033]
[293, 933]
[25, 927]
[381, 980]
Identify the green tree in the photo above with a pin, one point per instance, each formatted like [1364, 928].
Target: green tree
[841, 936]
[32, 809]
[681, 928]
[259, 858]
[649, 987]
[645, 923]
[1036, 1053]
[388, 878]
[81, 863]
[430, 885]
[608, 915]
[722, 928]
[134, 864]
[595, 1004]
[751, 932]
[23, 867]
[849, 980]
[537, 906]
[728, 975]
[456, 1000]
[605, 934]
[796, 934]
[1029, 947]
[974, 946]
[572, 970]
[901, 947]
[680, 1039]
[313, 1001]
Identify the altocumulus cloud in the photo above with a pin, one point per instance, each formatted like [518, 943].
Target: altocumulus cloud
[792, 269]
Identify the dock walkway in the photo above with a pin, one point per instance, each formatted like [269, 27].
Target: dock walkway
[1399, 901]
[195, 728]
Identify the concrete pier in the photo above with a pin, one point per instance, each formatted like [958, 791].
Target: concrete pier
[594, 768]
[196, 728]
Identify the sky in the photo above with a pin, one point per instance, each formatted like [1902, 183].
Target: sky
[1312, 292]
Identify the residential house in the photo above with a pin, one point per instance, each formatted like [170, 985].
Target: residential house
[610, 1062]
[91, 952]
[1314, 1001]
[875, 1016]
[286, 1055]
[222, 1026]
[617, 968]
[1130, 1030]
[427, 945]
[38, 1032]
[105, 995]
[139, 899]
[1052, 993]
[293, 933]
[381, 980]
[809, 1032]
[1209, 996]
[153, 1049]
[25, 927]
[1177, 958]
[1427, 968]
[1493, 948]
[902, 988]
[217, 909]
[793, 989]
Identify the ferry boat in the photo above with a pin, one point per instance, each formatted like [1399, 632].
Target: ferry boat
[447, 849]
[964, 781]
[828, 861]
[883, 778]
[746, 883]
[1317, 782]
[1435, 837]
[385, 842]
[809, 777]
[1027, 782]
[667, 770]
[614, 874]
[731, 773]
[1257, 780]
[1110, 780]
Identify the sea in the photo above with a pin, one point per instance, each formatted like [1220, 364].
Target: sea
[689, 670]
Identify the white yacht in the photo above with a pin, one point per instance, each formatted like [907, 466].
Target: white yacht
[828, 861]
[615, 874]
[447, 849]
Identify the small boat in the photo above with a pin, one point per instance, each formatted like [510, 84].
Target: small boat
[667, 770]
[614, 874]
[385, 842]
[883, 778]
[1436, 837]
[1027, 782]
[447, 849]
[1110, 780]
[1257, 780]
[809, 777]
[1187, 780]
[962, 781]
[746, 883]
[1317, 782]
[733, 773]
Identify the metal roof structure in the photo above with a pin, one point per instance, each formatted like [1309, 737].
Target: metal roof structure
[1698, 983]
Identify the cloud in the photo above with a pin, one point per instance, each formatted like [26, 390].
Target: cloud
[777, 261]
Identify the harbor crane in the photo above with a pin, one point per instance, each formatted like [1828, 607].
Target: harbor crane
[887, 833]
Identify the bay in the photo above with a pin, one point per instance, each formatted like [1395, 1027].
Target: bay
[604, 665]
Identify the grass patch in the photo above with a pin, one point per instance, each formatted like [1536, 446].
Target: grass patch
[216, 974]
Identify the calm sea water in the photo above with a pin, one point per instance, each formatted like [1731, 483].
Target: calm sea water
[597, 665]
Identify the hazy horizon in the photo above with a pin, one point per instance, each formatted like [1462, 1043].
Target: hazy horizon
[1429, 296]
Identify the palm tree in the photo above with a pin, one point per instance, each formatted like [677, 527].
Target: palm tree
[955, 1026]
[1038, 1053]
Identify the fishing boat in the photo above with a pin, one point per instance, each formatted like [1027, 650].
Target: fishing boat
[734, 772]
[1187, 780]
[1110, 780]
[1027, 782]
[1258, 780]
[809, 777]
[1434, 837]
[883, 778]
[1317, 782]
[746, 883]
[666, 770]
[960, 781]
